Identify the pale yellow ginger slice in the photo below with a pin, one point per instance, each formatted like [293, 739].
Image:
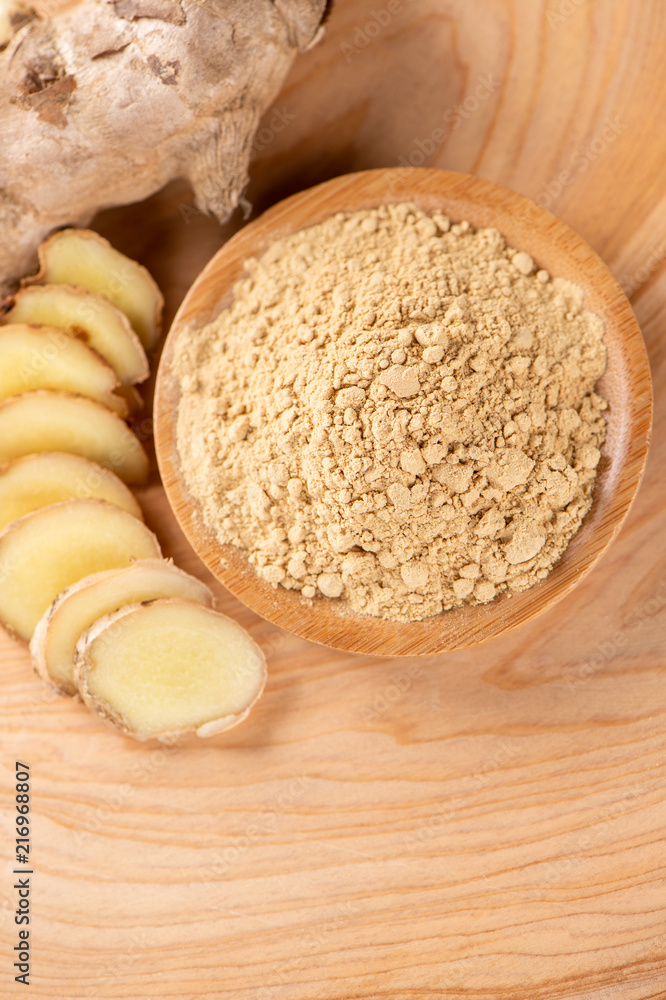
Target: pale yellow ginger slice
[6, 31]
[43, 357]
[35, 481]
[89, 317]
[55, 421]
[82, 257]
[13, 15]
[167, 668]
[44, 552]
[75, 610]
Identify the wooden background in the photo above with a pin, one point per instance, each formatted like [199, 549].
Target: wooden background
[483, 825]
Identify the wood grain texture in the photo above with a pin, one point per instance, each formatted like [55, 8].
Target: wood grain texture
[625, 384]
[485, 825]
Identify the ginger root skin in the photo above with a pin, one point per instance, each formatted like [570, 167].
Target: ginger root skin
[104, 103]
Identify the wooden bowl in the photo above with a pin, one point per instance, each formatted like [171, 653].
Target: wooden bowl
[625, 384]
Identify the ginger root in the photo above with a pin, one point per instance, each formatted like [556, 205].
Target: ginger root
[104, 103]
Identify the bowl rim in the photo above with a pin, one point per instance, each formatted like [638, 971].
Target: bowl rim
[626, 385]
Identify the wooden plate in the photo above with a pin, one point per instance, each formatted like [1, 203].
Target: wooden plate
[625, 384]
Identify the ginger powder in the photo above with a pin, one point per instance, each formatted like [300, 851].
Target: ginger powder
[395, 412]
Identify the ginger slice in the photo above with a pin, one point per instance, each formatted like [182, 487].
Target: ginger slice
[167, 668]
[82, 257]
[39, 480]
[13, 16]
[89, 317]
[44, 552]
[75, 610]
[54, 421]
[43, 357]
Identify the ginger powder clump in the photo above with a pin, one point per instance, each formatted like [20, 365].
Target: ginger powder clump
[395, 412]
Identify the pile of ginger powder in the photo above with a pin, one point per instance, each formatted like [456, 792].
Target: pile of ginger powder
[396, 412]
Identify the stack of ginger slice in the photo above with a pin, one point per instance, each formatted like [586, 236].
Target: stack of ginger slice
[82, 579]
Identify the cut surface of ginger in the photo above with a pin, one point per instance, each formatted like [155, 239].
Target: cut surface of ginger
[13, 15]
[89, 317]
[55, 421]
[50, 477]
[44, 552]
[33, 357]
[75, 610]
[82, 257]
[168, 668]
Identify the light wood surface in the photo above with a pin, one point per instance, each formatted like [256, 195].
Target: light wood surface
[625, 385]
[485, 825]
